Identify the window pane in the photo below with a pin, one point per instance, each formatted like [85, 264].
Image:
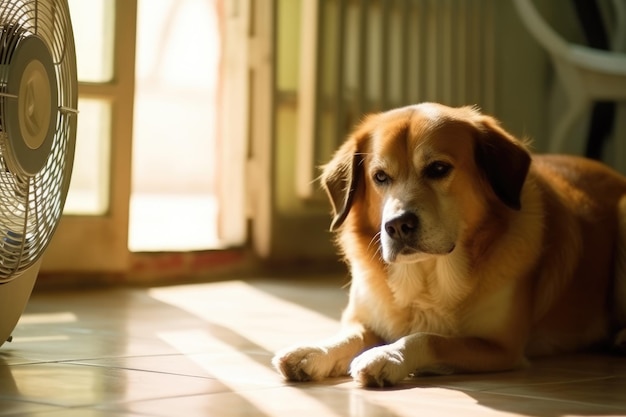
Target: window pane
[92, 21]
[89, 189]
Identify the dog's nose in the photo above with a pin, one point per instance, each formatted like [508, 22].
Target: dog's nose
[402, 226]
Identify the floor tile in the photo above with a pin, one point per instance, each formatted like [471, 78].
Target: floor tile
[236, 370]
[10, 407]
[70, 385]
[531, 376]
[600, 392]
[593, 364]
[78, 412]
[285, 401]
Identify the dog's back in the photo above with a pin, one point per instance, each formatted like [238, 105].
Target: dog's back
[586, 219]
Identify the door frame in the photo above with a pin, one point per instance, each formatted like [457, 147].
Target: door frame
[99, 243]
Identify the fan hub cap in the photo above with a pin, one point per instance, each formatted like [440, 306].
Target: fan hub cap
[34, 104]
[30, 120]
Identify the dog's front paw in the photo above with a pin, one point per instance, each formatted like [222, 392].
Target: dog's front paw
[382, 366]
[307, 363]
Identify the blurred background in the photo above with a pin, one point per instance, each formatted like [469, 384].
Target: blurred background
[202, 122]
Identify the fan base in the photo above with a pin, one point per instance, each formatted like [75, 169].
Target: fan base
[13, 298]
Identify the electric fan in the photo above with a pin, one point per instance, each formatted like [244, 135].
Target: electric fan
[38, 112]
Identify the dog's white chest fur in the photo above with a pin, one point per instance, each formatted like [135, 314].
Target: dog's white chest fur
[429, 294]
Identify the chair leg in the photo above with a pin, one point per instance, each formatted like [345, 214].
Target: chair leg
[620, 153]
[563, 126]
[620, 164]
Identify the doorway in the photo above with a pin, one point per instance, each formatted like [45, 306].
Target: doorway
[173, 205]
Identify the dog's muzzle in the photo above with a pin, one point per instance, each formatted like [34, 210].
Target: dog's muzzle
[400, 235]
[402, 240]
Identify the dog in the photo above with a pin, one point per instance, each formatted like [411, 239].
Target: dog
[467, 253]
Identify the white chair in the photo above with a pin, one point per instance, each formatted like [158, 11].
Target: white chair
[586, 74]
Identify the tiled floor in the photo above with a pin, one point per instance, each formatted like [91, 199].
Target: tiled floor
[204, 350]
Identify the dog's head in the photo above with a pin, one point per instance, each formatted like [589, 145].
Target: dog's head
[424, 177]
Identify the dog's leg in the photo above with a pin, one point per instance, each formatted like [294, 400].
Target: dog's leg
[328, 358]
[619, 291]
[428, 353]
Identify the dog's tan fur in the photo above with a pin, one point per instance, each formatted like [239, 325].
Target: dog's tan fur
[510, 256]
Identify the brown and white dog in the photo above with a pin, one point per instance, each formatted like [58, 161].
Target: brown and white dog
[467, 254]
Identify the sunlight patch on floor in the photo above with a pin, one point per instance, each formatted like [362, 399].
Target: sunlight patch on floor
[247, 311]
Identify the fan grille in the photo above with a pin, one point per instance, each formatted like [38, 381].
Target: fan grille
[31, 204]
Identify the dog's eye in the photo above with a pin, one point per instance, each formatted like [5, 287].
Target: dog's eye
[381, 177]
[437, 170]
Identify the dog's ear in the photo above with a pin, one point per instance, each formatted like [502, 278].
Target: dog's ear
[340, 179]
[504, 160]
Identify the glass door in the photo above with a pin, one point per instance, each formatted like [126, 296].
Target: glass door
[173, 205]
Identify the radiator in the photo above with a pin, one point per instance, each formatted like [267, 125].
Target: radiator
[361, 56]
